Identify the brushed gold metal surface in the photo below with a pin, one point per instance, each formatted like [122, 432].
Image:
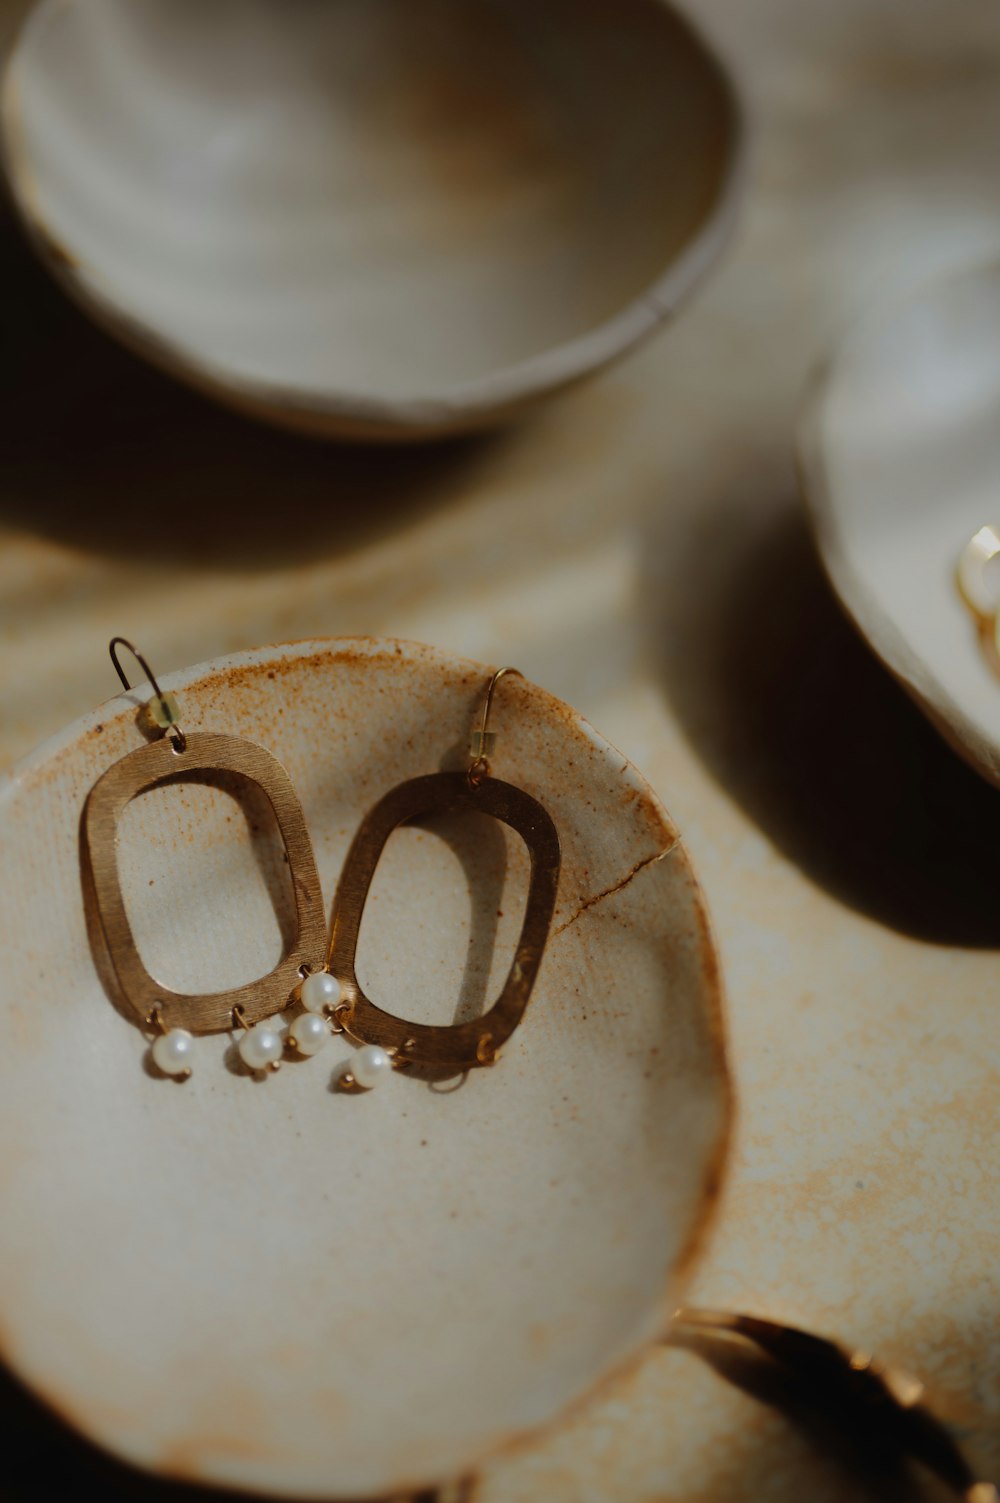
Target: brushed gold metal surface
[143, 769]
[479, 1040]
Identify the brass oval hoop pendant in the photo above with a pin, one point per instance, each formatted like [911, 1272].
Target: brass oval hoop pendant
[142, 769]
[460, 1045]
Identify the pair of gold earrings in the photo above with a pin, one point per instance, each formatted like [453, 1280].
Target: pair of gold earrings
[327, 988]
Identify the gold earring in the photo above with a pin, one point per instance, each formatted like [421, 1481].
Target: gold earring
[974, 586]
[388, 1042]
[178, 1016]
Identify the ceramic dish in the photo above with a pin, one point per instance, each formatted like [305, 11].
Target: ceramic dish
[282, 1287]
[384, 221]
[900, 456]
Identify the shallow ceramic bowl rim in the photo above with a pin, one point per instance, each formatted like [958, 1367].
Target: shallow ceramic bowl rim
[714, 1171]
[880, 634]
[477, 403]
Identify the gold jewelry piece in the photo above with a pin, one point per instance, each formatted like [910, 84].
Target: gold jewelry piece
[890, 1401]
[981, 593]
[390, 1042]
[178, 1015]
[973, 583]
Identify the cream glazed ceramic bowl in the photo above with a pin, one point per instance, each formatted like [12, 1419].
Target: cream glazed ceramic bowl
[391, 220]
[900, 457]
[282, 1287]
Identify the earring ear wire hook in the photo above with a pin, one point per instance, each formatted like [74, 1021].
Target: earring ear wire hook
[482, 742]
[166, 704]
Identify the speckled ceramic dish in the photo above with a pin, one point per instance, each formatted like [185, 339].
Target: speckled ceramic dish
[386, 221]
[900, 456]
[275, 1285]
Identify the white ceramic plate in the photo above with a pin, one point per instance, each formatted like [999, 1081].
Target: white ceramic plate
[282, 1287]
[373, 220]
[900, 455]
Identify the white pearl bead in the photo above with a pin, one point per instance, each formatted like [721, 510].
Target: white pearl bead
[260, 1047]
[173, 1052]
[309, 1033]
[319, 991]
[369, 1065]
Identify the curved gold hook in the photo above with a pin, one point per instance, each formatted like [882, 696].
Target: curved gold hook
[479, 768]
[166, 705]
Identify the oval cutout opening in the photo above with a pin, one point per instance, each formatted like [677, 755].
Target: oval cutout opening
[192, 850]
[442, 918]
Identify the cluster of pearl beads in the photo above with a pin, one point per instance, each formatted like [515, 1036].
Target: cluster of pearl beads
[321, 993]
[262, 1046]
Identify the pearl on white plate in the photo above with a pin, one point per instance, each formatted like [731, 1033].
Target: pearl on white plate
[370, 1065]
[260, 1047]
[173, 1052]
[309, 1033]
[320, 990]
